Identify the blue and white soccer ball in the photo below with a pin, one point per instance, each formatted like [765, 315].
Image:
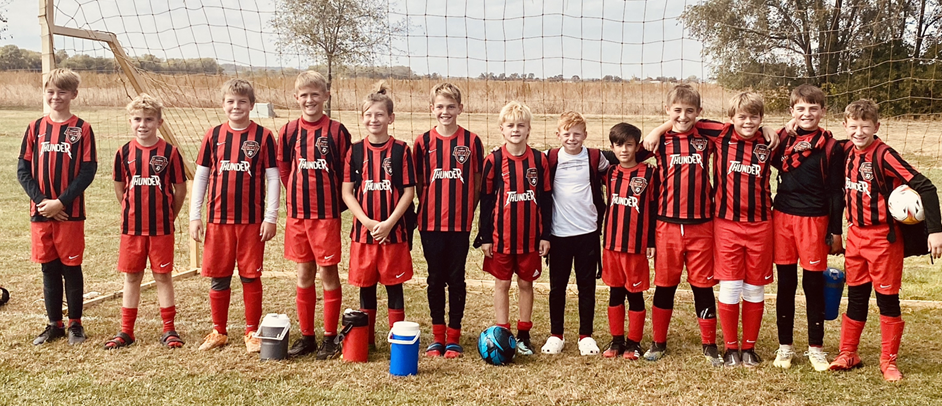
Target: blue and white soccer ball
[497, 345]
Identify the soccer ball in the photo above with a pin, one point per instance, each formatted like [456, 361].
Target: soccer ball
[497, 345]
[906, 205]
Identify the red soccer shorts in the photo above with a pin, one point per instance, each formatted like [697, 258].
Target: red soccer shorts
[621, 269]
[64, 240]
[528, 266]
[871, 258]
[743, 251]
[388, 264]
[684, 244]
[225, 244]
[313, 240]
[799, 237]
[136, 249]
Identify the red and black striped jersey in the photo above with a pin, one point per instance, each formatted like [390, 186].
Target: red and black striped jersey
[148, 174]
[237, 161]
[378, 188]
[742, 169]
[518, 182]
[314, 154]
[55, 152]
[865, 201]
[446, 168]
[684, 193]
[630, 215]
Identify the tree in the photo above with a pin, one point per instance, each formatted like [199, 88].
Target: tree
[336, 32]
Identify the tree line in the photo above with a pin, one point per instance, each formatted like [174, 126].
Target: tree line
[15, 58]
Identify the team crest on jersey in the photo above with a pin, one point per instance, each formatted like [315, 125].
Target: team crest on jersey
[802, 146]
[638, 184]
[250, 148]
[698, 144]
[387, 166]
[73, 134]
[158, 163]
[532, 176]
[322, 145]
[866, 171]
[461, 153]
[761, 152]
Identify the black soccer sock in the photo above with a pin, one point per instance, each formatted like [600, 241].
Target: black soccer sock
[785, 302]
[705, 302]
[616, 296]
[889, 305]
[812, 282]
[368, 297]
[74, 290]
[635, 301]
[858, 301]
[395, 298]
[52, 290]
[664, 297]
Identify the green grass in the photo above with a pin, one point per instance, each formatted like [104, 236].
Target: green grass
[148, 374]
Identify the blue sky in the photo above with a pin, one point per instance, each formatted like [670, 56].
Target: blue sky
[591, 38]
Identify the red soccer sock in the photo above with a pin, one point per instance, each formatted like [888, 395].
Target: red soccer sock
[371, 316]
[707, 331]
[660, 321]
[453, 335]
[77, 321]
[438, 333]
[332, 301]
[252, 295]
[636, 325]
[616, 320]
[751, 322]
[395, 315]
[306, 301]
[850, 334]
[128, 317]
[504, 325]
[219, 309]
[729, 323]
[167, 315]
[523, 328]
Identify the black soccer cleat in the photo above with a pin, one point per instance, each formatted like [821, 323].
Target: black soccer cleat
[76, 333]
[615, 349]
[732, 358]
[330, 348]
[52, 332]
[303, 346]
[750, 359]
[712, 355]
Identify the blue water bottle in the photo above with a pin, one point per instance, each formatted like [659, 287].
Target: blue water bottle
[833, 290]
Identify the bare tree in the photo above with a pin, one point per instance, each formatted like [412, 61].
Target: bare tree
[335, 32]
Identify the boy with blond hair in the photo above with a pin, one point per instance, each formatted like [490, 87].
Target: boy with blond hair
[237, 162]
[311, 150]
[448, 160]
[516, 218]
[578, 207]
[57, 163]
[806, 214]
[875, 246]
[150, 184]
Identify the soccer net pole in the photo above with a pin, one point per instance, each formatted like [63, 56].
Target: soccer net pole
[49, 30]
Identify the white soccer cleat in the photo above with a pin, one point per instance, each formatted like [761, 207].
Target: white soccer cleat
[588, 346]
[783, 356]
[818, 358]
[554, 345]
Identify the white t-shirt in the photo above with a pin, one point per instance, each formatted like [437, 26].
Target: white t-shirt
[574, 213]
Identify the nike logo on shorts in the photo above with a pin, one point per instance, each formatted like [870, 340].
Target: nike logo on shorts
[73, 256]
[730, 343]
[768, 277]
[165, 265]
[710, 277]
[400, 275]
[814, 262]
[885, 286]
[635, 284]
[750, 342]
[329, 257]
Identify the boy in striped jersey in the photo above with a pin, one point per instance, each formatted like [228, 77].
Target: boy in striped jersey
[875, 247]
[237, 163]
[628, 240]
[516, 218]
[310, 157]
[448, 162]
[57, 163]
[150, 184]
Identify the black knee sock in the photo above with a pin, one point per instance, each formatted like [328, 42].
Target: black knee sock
[705, 302]
[889, 305]
[616, 296]
[52, 290]
[858, 301]
[635, 301]
[664, 297]
[74, 290]
[368, 297]
[220, 284]
[394, 297]
[785, 302]
[812, 282]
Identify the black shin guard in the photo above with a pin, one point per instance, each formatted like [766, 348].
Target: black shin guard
[74, 290]
[394, 297]
[635, 301]
[705, 302]
[52, 289]
[858, 301]
[889, 305]
[616, 296]
[812, 282]
[220, 284]
[785, 302]
[664, 297]
[368, 297]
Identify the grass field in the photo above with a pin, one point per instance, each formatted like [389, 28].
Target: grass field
[148, 374]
